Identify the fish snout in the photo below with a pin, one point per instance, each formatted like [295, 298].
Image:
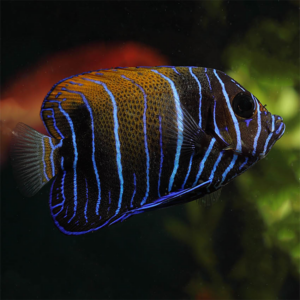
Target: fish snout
[274, 123]
[279, 126]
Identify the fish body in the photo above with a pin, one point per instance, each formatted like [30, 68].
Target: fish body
[126, 140]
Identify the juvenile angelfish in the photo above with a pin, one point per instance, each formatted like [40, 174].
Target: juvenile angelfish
[126, 140]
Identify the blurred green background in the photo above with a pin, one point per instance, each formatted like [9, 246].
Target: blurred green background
[266, 61]
[245, 245]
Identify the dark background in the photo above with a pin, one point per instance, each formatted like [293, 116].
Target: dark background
[136, 259]
[184, 31]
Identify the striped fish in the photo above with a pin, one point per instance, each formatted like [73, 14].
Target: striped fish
[126, 140]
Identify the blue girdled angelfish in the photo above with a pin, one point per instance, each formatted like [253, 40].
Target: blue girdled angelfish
[127, 140]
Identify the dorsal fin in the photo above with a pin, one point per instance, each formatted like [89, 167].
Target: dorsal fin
[65, 98]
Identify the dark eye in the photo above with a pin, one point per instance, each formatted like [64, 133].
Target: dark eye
[243, 105]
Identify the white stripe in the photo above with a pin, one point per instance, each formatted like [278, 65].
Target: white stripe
[234, 119]
[273, 124]
[180, 128]
[200, 95]
[201, 167]
[258, 127]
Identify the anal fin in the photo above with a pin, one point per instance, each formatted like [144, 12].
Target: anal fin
[72, 203]
[182, 196]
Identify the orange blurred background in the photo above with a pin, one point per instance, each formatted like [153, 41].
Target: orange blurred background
[22, 96]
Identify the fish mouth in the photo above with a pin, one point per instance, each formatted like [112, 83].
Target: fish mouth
[279, 127]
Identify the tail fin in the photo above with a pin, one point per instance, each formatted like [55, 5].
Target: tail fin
[33, 158]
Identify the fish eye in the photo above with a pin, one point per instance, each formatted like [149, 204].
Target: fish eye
[243, 105]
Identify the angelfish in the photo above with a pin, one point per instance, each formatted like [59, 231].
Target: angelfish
[126, 140]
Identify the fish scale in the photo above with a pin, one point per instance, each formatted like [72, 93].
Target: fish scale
[128, 140]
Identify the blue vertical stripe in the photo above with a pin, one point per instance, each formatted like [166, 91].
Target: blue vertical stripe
[258, 127]
[212, 174]
[62, 192]
[75, 155]
[87, 200]
[66, 214]
[273, 124]
[118, 146]
[74, 162]
[93, 144]
[134, 190]
[248, 122]
[54, 121]
[179, 125]
[270, 135]
[189, 170]
[109, 198]
[277, 131]
[175, 70]
[50, 199]
[62, 163]
[250, 165]
[244, 163]
[116, 132]
[63, 187]
[161, 155]
[244, 169]
[234, 119]
[52, 152]
[205, 71]
[57, 95]
[202, 164]
[282, 131]
[231, 165]
[145, 140]
[279, 128]
[216, 128]
[51, 157]
[200, 95]
[266, 144]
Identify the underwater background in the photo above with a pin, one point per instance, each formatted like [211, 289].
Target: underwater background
[246, 245]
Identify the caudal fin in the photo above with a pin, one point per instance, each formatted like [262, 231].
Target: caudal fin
[33, 158]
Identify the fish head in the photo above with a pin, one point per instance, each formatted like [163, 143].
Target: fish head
[264, 132]
[241, 122]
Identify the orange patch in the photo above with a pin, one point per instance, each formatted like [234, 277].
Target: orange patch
[22, 97]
